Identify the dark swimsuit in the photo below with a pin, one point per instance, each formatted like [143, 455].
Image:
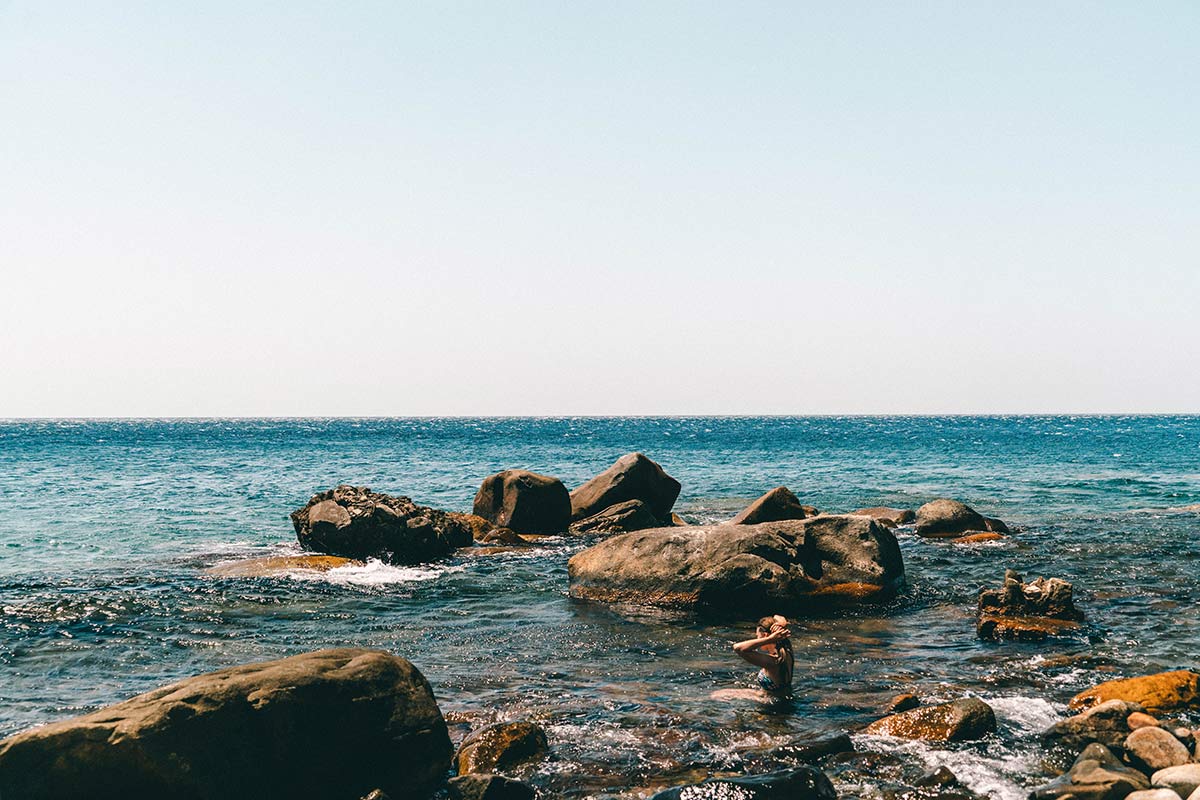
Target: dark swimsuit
[768, 685]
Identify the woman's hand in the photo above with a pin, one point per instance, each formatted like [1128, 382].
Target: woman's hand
[779, 633]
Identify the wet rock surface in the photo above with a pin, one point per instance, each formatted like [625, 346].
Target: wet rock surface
[956, 721]
[501, 746]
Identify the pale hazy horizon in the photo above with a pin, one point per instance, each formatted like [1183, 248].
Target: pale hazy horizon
[568, 210]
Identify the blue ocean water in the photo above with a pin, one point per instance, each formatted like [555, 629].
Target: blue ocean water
[107, 528]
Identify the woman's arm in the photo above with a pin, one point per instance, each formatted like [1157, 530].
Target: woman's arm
[749, 650]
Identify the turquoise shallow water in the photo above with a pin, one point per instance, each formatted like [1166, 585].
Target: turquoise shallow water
[106, 529]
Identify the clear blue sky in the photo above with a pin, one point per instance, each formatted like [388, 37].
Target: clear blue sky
[625, 208]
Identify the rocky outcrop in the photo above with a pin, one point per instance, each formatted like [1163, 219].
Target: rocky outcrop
[1096, 775]
[524, 501]
[1027, 611]
[1106, 724]
[774, 506]
[884, 515]
[247, 731]
[488, 787]
[1162, 692]
[355, 522]
[767, 568]
[957, 721]
[632, 477]
[947, 519]
[802, 783]
[498, 747]
[632, 515]
[274, 566]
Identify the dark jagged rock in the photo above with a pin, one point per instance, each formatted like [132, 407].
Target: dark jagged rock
[488, 787]
[501, 746]
[524, 501]
[1027, 611]
[1106, 724]
[957, 721]
[761, 568]
[774, 506]
[891, 517]
[355, 522]
[995, 526]
[1096, 775]
[632, 515]
[632, 477]
[810, 749]
[1161, 692]
[247, 731]
[802, 783]
[948, 518]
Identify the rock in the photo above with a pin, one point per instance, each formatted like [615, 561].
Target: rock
[773, 567]
[273, 566]
[501, 746]
[902, 702]
[1152, 794]
[632, 477]
[1183, 779]
[774, 506]
[1096, 775]
[801, 783]
[503, 536]
[678, 520]
[948, 518]
[1140, 720]
[632, 515]
[1158, 693]
[942, 776]
[1106, 724]
[524, 501]
[976, 538]
[1027, 611]
[810, 749]
[357, 523]
[377, 794]
[488, 787]
[250, 731]
[1151, 749]
[891, 517]
[957, 721]
[994, 525]
[478, 526]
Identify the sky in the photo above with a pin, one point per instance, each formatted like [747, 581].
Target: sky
[360, 209]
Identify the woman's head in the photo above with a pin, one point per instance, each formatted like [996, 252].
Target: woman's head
[770, 623]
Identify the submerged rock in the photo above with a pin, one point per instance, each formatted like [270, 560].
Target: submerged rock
[891, 517]
[247, 731]
[501, 746]
[1106, 724]
[774, 506]
[632, 477]
[524, 501]
[1027, 611]
[1096, 775]
[1164, 691]
[948, 518]
[802, 783]
[488, 787]
[810, 749]
[355, 522]
[273, 566]
[770, 567]
[956, 721]
[632, 515]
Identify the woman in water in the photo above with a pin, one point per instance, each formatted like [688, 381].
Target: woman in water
[771, 651]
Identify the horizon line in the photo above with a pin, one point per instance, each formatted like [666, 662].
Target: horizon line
[825, 415]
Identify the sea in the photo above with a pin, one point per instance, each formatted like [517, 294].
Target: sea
[108, 529]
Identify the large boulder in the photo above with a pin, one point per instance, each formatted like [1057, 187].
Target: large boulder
[956, 721]
[752, 569]
[355, 522]
[774, 506]
[947, 519]
[1096, 775]
[802, 783]
[1164, 691]
[329, 724]
[632, 515]
[498, 747]
[632, 477]
[1106, 724]
[1027, 611]
[525, 502]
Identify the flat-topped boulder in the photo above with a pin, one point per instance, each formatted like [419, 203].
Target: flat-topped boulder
[774, 506]
[753, 569]
[1027, 611]
[355, 522]
[334, 723]
[524, 501]
[950, 518]
[1178, 690]
[632, 477]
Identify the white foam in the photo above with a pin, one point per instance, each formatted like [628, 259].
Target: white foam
[374, 573]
